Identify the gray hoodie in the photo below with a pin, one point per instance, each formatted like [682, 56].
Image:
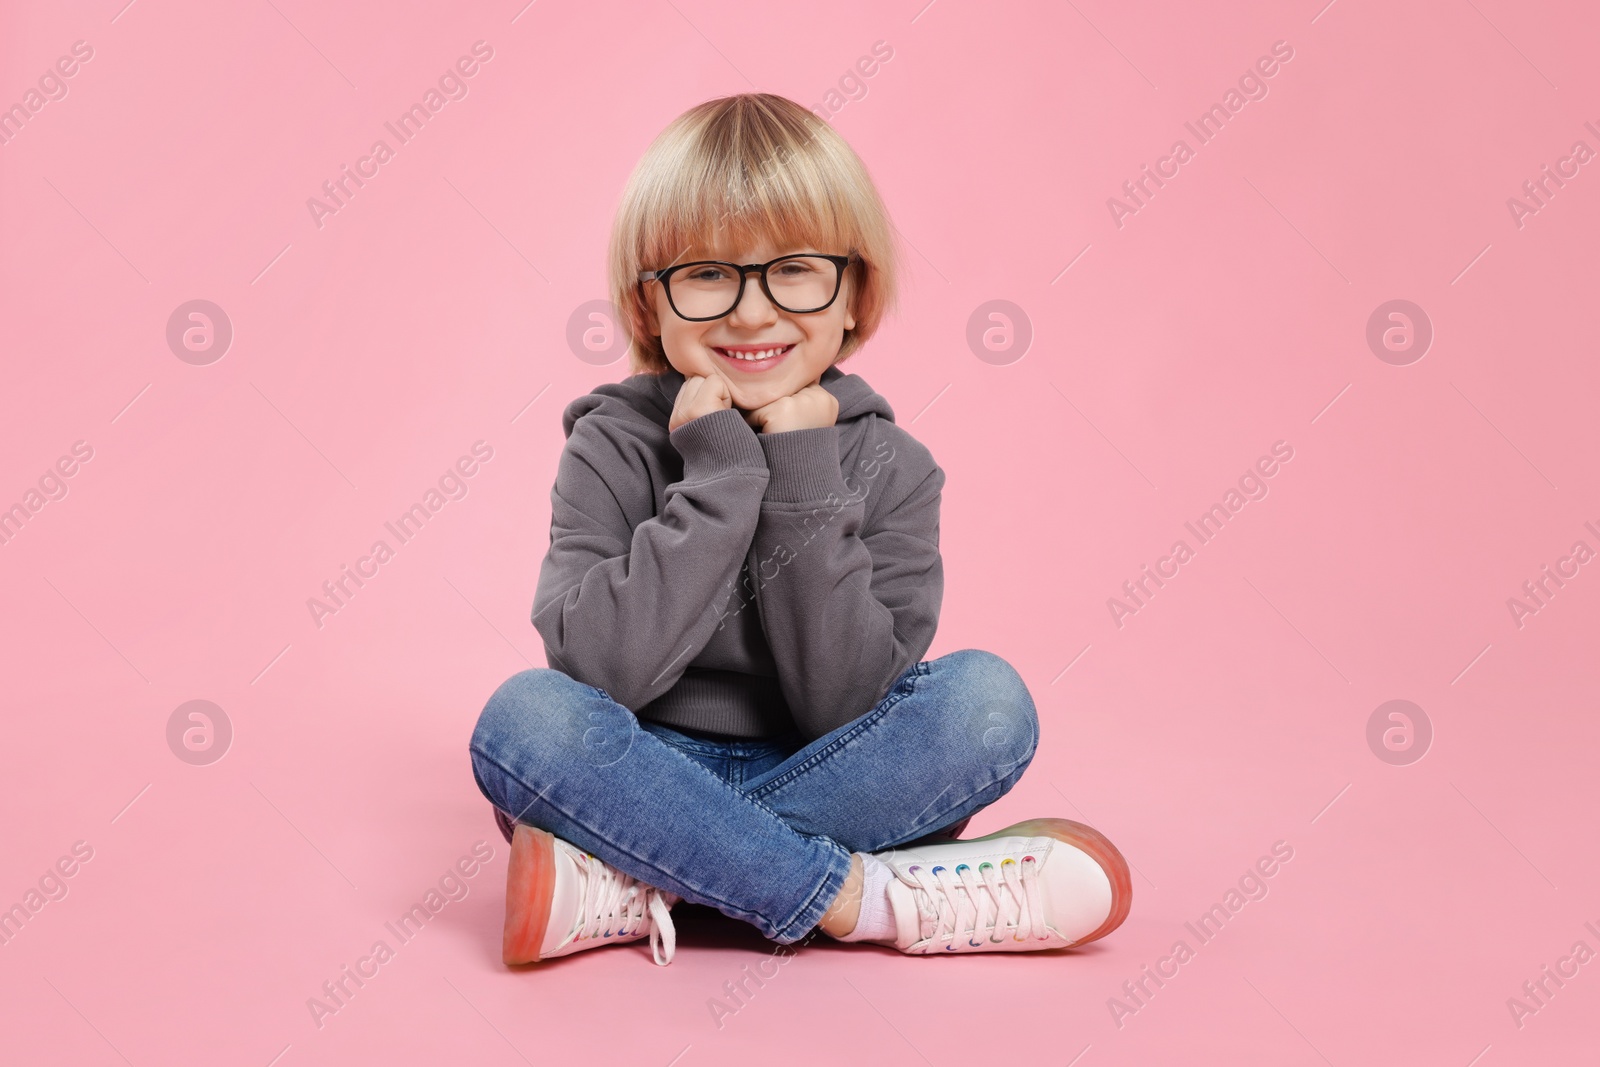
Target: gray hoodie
[735, 582]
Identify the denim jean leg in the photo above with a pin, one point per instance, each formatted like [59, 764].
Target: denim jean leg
[952, 736]
[565, 757]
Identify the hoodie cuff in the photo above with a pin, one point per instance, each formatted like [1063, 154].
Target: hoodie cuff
[717, 442]
[804, 466]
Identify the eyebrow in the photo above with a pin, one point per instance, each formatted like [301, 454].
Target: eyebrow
[796, 250]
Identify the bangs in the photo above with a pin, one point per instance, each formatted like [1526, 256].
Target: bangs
[741, 184]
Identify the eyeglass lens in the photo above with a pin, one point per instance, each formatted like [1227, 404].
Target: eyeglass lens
[798, 284]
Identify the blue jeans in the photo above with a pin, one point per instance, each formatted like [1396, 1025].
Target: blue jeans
[761, 830]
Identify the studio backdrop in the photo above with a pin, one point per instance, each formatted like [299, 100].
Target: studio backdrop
[1255, 341]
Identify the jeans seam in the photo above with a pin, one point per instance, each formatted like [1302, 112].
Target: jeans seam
[1023, 764]
[542, 795]
[794, 919]
[944, 819]
[816, 759]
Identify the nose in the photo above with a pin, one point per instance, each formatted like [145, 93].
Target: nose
[753, 310]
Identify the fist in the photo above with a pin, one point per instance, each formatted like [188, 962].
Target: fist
[808, 409]
[699, 395]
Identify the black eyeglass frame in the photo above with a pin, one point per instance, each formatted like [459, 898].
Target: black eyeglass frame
[745, 270]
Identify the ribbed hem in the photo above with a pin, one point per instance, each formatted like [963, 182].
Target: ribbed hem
[804, 466]
[716, 443]
[723, 702]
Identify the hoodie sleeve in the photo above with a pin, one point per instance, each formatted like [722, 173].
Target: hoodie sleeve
[625, 608]
[846, 608]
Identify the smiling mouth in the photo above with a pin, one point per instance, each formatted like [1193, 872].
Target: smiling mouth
[750, 357]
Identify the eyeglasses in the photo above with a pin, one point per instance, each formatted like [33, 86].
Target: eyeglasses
[710, 288]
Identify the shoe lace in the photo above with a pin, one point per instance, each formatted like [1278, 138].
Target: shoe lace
[615, 904]
[987, 903]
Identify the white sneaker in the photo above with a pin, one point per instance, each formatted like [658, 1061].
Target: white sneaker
[1045, 883]
[561, 900]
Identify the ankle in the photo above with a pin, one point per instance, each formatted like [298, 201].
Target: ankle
[842, 913]
[875, 918]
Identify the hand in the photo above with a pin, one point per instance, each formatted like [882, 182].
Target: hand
[810, 408]
[699, 395]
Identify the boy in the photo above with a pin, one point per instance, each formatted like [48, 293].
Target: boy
[743, 577]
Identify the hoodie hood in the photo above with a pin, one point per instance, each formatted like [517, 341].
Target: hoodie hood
[652, 396]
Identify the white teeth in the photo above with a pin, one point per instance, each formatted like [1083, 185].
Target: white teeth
[755, 356]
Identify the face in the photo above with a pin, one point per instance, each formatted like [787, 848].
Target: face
[795, 349]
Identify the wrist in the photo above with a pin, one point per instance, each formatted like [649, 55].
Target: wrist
[782, 426]
[782, 418]
[803, 466]
[718, 440]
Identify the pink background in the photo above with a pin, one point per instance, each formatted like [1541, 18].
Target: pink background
[1229, 313]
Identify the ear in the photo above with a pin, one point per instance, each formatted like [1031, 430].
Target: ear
[849, 303]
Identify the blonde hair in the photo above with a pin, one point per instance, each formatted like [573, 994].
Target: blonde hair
[739, 170]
